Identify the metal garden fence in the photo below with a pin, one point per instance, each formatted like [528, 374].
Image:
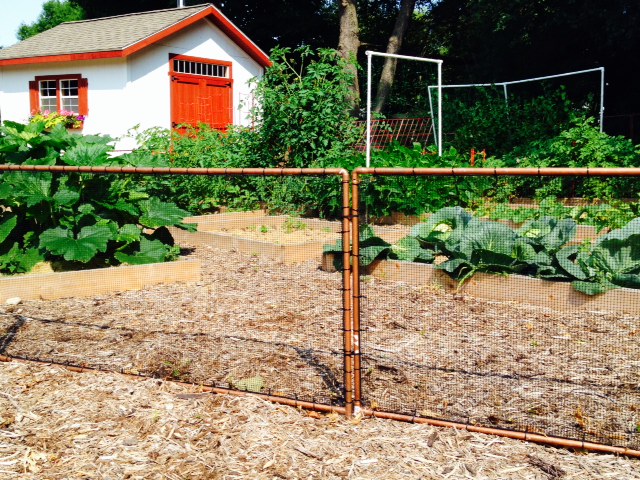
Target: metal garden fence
[501, 354]
[506, 355]
[256, 317]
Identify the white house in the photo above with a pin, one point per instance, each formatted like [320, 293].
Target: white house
[154, 69]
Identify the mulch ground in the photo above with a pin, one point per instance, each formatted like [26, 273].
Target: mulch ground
[59, 425]
[250, 323]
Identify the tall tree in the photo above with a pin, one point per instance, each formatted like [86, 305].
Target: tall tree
[100, 8]
[287, 23]
[348, 45]
[393, 47]
[54, 12]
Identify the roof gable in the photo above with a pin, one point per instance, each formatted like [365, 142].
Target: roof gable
[120, 36]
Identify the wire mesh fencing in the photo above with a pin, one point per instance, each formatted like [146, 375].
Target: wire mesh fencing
[511, 317]
[244, 306]
[485, 308]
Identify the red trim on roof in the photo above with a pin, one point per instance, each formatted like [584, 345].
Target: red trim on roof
[73, 57]
[210, 12]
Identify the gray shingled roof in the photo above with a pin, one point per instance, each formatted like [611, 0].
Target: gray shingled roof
[99, 35]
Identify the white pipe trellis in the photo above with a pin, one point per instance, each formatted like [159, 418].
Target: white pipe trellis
[371, 54]
[547, 77]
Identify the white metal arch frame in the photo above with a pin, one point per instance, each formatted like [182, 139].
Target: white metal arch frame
[371, 54]
[505, 85]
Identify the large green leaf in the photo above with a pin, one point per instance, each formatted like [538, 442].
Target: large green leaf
[87, 154]
[371, 246]
[548, 232]
[491, 260]
[524, 252]
[488, 236]
[156, 213]
[120, 206]
[91, 240]
[628, 280]
[151, 251]
[32, 188]
[627, 234]
[19, 260]
[370, 253]
[7, 226]
[66, 197]
[441, 225]
[592, 288]
[129, 233]
[409, 249]
[616, 257]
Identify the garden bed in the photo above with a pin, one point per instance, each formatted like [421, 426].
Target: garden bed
[282, 238]
[397, 220]
[512, 288]
[100, 281]
[492, 363]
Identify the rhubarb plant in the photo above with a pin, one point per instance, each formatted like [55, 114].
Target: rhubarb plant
[77, 220]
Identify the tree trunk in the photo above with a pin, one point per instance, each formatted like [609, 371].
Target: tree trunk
[348, 45]
[395, 42]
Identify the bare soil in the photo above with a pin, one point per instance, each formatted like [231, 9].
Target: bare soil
[292, 233]
[252, 322]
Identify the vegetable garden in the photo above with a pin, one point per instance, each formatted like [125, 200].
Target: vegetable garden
[506, 300]
[391, 346]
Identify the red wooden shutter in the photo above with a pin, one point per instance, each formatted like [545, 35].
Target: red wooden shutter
[34, 96]
[83, 96]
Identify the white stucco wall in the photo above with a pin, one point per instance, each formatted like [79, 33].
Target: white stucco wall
[134, 91]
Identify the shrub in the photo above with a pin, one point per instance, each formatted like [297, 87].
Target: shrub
[499, 126]
[581, 145]
[303, 117]
[414, 195]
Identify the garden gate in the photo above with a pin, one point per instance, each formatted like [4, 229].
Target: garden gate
[280, 329]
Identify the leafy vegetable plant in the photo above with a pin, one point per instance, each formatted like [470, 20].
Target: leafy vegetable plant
[75, 219]
[373, 248]
[541, 248]
[614, 261]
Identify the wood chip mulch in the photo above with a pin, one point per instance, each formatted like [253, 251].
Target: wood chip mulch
[55, 425]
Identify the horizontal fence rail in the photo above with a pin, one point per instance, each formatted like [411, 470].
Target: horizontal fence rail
[511, 355]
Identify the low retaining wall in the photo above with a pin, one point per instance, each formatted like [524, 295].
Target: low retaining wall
[101, 281]
[211, 233]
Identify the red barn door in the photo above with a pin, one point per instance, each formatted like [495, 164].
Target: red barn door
[201, 92]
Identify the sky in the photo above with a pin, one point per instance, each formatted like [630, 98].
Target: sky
[15, 12]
